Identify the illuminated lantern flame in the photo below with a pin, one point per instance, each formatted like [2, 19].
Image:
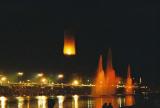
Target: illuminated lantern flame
[69, 46]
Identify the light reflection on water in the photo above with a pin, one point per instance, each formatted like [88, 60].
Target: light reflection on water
[90, 103]
[74, 101]
[60, 101]
[3, 102]
[20, 101]
[42, 101]
[129, 100]
[28, 102]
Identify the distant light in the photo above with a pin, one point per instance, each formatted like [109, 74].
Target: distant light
[20, 73]
[43, 80]
[140, 80]
[3, 79]
[69, 46]
[60, 76]
[40, 75]
[75, 82]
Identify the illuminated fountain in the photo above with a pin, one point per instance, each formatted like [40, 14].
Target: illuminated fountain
[105, 83]
[99, 88]
[129, 82]
[110, 76]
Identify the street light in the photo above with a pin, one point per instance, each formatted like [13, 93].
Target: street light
[40, 74]
[28, 81]
[44, 80]
[19, 74]
[75, 82]
[3, 79]
[60, 76]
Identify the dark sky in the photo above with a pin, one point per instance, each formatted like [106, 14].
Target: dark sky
[31, 36]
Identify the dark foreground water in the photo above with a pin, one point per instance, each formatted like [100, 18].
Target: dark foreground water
[76, 101]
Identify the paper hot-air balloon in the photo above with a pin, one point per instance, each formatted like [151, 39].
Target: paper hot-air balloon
[69, 45]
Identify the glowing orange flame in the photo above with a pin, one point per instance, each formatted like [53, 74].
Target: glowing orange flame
[69, 45]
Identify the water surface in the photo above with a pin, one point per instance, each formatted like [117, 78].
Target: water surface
[74, 101]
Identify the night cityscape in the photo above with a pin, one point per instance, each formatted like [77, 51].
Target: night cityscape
[106, 55]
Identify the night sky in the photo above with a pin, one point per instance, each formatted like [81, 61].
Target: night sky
[32, 32]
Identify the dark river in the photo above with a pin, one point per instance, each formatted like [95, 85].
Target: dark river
[74, 101]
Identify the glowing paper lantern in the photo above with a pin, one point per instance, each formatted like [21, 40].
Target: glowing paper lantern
[69, 46]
